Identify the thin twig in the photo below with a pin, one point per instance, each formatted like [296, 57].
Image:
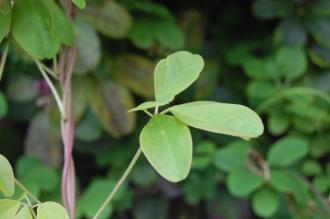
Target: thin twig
[119, 184]
[165, 111]
[3, 59]
[156, 109]
[147, 112]
[48, 70]
[317, 193]
[52, 88]
[30, 207]
[19, 184]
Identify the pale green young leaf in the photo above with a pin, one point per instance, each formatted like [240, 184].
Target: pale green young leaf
[175, 73]
[223, 118]
[265, 202]
[80, 3]
[8, 208]
[287, 151]
[51, 210]
[7, 180]
[242, 182]
[5, 19]
[167, 144]
[24, 213]
[31, 29]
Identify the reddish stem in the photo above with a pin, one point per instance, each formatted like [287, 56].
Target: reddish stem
[66, 65]
[67, 128]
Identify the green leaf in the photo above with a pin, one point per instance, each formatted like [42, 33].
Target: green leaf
[88, 47]
[287, 151]
[80, 3]
[7, 182]
[278, 123]
[89, 129]
[284, 181]
[3, 105]
[32, 29]
[253, 91]
[268, 9]
[175, 73]
[24, 164]
[208, 81]
[143, 176]
[142, 33]
[109, 103]
[290, 32]
[5, 7]
[51, 210]
[320, 56]
[79, 96]
[222, 118]
[232, 156]
[44, 177]
[135, 72]
[203, 155]
[322, 183]
[5, 19]
[109, 18]
[170, 35]
[8, 208]
[43, 138]
[319, 28]
[240, 51]
[242, 182]
[95, 195]
[20, 88]
[167, 144]
[292, 61]
[24, 213]
[255, 68]
[265, 202]
[62, 26]
[320, 8]
[311, 168]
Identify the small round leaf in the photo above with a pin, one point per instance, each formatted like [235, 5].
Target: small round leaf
[51, 210]
[287, 151]
[175, 73]
[167, 144]
[7, 182]
[241, 182]
[265, 202]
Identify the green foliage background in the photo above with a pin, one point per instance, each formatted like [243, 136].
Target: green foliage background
[271, 55]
